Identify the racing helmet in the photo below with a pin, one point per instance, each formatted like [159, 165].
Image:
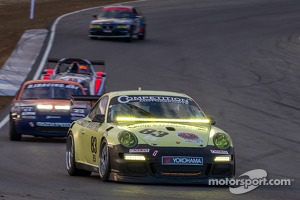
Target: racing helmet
[82, 69]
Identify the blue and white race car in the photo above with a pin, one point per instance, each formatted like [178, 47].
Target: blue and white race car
[118, 22]
[42, 108]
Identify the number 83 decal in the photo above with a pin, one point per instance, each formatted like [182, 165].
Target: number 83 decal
[154, 132]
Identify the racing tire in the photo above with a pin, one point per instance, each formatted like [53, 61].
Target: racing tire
[143, 35]
[70, 159]
[104, 162]
[13, 134]
[129, 39]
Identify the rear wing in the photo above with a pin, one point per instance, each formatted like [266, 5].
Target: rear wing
[95, 63]
[91, 98]
[79, 60]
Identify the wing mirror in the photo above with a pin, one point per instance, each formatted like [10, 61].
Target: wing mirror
[98, 118]
[212, 120]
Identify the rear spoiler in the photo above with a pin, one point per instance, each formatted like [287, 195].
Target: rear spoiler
[94, 62]
[91, 98]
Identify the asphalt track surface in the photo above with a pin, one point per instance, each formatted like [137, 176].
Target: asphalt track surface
[238, 59]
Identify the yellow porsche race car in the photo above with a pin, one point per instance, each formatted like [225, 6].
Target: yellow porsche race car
[148, 137]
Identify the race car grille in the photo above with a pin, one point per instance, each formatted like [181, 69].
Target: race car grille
[108, 27]
[188, 171]
[222, 170]
[136, 168]
[52, 129]
[181, 174]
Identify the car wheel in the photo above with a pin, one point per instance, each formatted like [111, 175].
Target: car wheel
[104, 165]
[13, 135]
[129, 39]
[143, 35]
[70, 159]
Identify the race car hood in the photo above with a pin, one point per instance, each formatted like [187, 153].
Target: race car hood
[33, 102]
[111, 21]
[59, 102]
[169, 134]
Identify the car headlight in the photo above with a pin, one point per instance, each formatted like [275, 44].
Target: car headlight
[222, 140]
[95, 26]
[65, 107]
[127, 139]
[123, 26]
[44, 107]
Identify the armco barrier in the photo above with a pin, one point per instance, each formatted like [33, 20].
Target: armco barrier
[20, 62]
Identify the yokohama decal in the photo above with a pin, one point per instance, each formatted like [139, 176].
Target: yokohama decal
[182, 160]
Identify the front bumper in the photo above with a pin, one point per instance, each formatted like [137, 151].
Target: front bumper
[114, 33]
[43, 128]
[153, 171]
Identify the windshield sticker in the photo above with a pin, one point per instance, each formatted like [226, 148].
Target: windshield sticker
[166, 99]
[57, 85]
[190, 137]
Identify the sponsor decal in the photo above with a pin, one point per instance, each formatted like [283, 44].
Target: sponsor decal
[28, 113]
[53, 124]
[126, 99]
[190, 137]
[77, 115]
[139, 150]
[182, 160]
[75, 110]
[53, 117]
[31, 124]
[155, 153]
[219, 151]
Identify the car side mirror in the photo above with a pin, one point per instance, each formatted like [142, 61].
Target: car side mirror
[95, 16]
[98, 118]
[212, 121]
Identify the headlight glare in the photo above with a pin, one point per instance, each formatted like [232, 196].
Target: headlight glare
[127, 139]
[123, 26]
[95, 26]
[222, 140]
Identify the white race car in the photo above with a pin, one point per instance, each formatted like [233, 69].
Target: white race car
[78, 70]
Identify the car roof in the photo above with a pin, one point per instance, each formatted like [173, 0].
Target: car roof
[147, 92]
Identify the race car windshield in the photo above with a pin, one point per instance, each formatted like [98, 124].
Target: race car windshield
[50, 91]
[154, 107]
[119, 14]
[74, 68]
